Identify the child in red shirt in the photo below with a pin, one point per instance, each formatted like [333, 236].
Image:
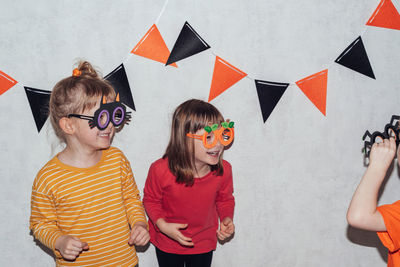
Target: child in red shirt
[190, 188]
[363, 212]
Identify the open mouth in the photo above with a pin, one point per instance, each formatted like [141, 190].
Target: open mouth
[213, 153]
[104, 134]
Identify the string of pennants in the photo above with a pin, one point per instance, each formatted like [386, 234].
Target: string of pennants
[189, 43]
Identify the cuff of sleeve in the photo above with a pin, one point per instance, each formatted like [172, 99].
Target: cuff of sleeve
[226, 214]
[134, 220]
[53, 246]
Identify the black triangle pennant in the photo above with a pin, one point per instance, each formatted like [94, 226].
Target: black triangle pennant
[119, 81]
[188, 44]
[39, 102]
[355, 57]
[269, 94]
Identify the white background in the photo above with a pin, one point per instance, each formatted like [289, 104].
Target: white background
[293, 176]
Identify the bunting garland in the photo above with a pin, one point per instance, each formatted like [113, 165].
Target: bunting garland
[119, 81]
[355, 57]
[152, 46]
[269, 94]
[6, 82]
[385, 16]
[315, 87]
[39, 103]
[225, 75]
[188, 44]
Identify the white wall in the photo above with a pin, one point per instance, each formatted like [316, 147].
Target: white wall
[293, 176]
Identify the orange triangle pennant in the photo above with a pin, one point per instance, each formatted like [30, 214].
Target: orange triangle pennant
[315, 87]
[152, 46]
[385, 16]
[225, 75]
[6, 82]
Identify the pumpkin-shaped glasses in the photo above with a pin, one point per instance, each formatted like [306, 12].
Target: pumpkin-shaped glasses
[214, 134]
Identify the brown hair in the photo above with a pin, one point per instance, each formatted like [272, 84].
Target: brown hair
[189, 117]
[76, 94]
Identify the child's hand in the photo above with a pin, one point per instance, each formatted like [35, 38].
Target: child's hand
[382, 154]
[139, 234]
[172, 230]
[70, 246]
[226, 229]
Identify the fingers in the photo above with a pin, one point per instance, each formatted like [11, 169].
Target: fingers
[184, 240]
[85, 246]
[139, 235]
[73, 247]
[182, 226]
[227, 228]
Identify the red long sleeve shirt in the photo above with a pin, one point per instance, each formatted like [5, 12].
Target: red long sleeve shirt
[200, 206]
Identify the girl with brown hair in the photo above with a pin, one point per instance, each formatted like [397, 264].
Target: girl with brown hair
[189, 191]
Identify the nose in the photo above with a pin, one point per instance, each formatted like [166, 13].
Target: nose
[218, 144]
[110, 126]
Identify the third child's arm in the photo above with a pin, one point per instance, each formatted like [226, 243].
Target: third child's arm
[362, 212]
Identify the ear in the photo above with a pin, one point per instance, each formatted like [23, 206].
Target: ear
[66, 124]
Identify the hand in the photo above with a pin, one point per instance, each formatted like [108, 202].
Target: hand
[172, 230]
[382, 154]
[70, 246]
[139, 234]
[226, 228]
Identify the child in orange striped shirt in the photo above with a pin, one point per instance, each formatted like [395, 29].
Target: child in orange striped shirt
[85, 204]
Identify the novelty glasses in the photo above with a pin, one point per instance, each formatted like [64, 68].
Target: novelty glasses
[114, 112]
[214, 133]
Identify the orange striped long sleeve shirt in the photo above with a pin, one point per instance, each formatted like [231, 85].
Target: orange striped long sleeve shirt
[97, 204]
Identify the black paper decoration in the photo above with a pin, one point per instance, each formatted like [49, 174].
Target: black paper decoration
[39, 102]
[188, 44]
[269, 94]
[119, 81]
[355, 57]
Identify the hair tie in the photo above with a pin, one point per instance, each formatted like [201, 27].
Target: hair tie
[76, 72]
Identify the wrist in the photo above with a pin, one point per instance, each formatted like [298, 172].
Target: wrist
[378, 169]
[57, 243]
[160, 223]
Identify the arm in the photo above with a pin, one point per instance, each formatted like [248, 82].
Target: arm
[43, 220]
[153, 196]
[153, 202]
[43, 223]
[362, 212]
[137, 219]
[131, 197]
[225, 203]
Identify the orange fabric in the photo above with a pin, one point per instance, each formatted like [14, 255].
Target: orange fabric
[385, 16]
[225, 75]
[391, 238]
[96, 204]
[314, 87]
[6, 82]
[152, 46]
